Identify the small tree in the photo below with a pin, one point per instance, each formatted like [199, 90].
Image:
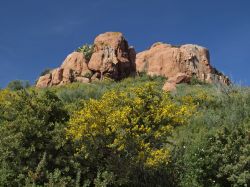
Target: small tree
[87, 50]
[32, 132]
[18, 85]
[225, 158]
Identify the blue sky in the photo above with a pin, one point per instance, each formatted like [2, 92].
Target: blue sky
[38, 34]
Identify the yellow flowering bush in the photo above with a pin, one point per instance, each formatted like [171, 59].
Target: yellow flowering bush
[6, 98]
[128, 129]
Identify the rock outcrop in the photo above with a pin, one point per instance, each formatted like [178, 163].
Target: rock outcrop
[74, 68]
[112, 57]
[168, 61]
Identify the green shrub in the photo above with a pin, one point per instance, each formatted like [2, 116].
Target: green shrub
[87, 50]
[88, 74]
[18, 85]
[225, 158]
[204, 151]
[194, 80]
[31, 130]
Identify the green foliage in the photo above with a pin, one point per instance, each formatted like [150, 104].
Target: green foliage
[32, 123]
[87, 50]
[31, 130]
[104, 179]
[195, 81]
[18, 85]
[127, 133]
[225, 158]
[88, 74]
[221, 158]
[211, 150]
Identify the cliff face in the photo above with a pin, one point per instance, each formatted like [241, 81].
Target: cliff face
[112, 57]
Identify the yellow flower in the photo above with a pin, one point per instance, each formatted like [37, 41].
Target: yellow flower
[136, 121]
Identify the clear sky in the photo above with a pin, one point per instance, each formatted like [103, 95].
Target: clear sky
[38, 34]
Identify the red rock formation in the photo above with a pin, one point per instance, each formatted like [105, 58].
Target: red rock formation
[167, 60]
[44, 81]
[73, 69]
[112, 56]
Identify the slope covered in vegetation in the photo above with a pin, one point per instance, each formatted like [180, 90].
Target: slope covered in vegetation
[127, 133]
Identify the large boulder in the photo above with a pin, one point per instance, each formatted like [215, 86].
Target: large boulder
[171, 83]
[44, 81]
[112, 56]
[168, 60]
[76, 62]
[73, 69]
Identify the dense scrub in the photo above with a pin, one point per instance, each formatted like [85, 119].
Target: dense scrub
[126, 133]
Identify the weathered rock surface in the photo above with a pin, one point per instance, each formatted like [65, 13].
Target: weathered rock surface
[44, 81]
[167, 60]
[73, 69]
[76, 62]
[112, 56]
[171, 83]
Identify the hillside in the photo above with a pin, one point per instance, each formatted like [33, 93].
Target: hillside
[109, 116]
[112, 93]
[128, 133]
